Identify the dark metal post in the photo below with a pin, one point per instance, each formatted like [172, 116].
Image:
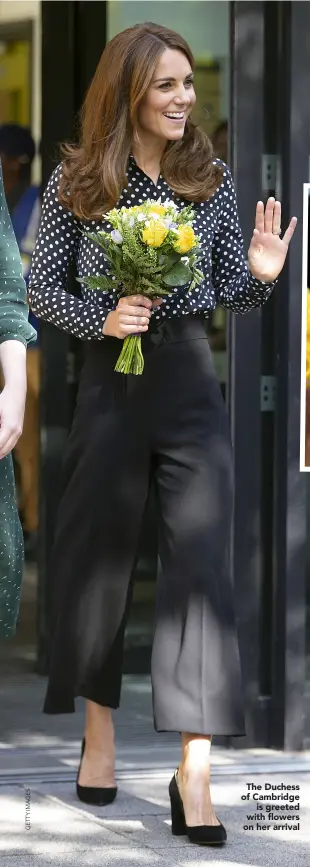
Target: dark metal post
[270, 567]
[73, 37]
[288, 717]
[247, 98]
[58, 21]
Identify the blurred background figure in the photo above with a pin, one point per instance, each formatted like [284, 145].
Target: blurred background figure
[220, 141]
[17, 151]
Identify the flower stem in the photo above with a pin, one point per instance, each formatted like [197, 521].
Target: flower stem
[131, 358]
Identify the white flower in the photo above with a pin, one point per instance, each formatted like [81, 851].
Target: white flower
[170, 224]
[116, 237]
[185, 259]
[141, 218]
[170, 204]
[131, 221]
[154, 216]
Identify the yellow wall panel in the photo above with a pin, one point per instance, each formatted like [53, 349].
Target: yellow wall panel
[14, 83]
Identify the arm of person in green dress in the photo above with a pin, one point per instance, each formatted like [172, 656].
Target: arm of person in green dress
[15, 333]
[13, 395]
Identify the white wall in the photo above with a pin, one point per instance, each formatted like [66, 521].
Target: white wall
[29, 10]
[12, 11]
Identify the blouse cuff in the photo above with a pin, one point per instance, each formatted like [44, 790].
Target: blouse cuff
[268, 284]
[25, 334]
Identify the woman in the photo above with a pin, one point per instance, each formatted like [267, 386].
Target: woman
[15, 335]
[137, 142]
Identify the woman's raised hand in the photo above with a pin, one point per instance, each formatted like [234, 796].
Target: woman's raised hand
[267, 251]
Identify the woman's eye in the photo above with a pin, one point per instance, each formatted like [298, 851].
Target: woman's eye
[166, 84]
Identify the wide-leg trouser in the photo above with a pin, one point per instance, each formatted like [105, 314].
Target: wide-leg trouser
[169, 424]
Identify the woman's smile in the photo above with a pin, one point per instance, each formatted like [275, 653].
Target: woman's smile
[178, 117]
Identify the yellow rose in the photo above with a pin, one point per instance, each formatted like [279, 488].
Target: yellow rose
[155, 234]
[158, 209]
[185, 240]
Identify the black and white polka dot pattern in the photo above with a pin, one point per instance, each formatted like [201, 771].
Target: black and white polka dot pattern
[227, 280]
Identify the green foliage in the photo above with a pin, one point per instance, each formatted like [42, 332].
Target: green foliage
[105, 284]
[186, 215]
[179, 275]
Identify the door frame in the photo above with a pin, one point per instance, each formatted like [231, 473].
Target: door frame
[275, 686]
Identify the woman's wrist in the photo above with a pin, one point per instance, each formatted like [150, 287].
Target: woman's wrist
[263, 278]
[13, 363]
[105, 328]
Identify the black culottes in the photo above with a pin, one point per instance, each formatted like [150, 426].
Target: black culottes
[168, 425]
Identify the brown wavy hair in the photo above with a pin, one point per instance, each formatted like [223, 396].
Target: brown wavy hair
[94, 170]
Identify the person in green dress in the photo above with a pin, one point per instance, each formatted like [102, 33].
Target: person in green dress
[16, 334]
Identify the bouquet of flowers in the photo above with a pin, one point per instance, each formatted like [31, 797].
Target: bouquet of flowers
[151, 249]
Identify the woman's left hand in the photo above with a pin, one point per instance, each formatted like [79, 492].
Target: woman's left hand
[267, 251]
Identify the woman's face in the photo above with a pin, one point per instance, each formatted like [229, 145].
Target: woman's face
[171, 92]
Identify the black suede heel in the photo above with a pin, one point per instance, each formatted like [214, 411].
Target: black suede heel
[100, 797]
[202, 835]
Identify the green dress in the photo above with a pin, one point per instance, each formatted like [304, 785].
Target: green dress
[14, 325]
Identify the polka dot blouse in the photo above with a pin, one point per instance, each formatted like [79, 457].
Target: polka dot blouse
[227, 280]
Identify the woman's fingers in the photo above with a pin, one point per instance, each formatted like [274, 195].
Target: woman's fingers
[290, 231]
[140, 300]
[134, 313]
[268, 219]
[136, 300]
[259, 217]
[276, 227]
[269, 215]
[128, 310]
[126, 319]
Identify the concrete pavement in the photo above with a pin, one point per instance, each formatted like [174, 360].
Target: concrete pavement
[43, 823]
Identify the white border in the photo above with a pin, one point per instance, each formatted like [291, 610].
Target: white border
[305, 243]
